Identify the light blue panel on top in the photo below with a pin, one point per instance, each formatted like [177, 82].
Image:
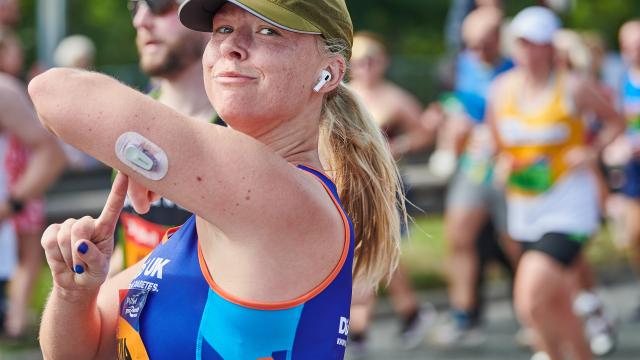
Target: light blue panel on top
[237, 332]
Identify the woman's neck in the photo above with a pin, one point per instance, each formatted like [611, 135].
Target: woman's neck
[295, 139]
[538, 78]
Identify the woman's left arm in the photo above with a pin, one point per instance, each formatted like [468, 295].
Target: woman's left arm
[588, 98]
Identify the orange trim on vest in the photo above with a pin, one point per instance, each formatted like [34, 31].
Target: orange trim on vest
[168, 234]
[318, 170]
[299, 300]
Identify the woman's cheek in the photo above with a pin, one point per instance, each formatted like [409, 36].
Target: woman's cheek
[208, 58]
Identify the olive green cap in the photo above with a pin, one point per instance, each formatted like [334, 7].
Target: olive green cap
[329, 18]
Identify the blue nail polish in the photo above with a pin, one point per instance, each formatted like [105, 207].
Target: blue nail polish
[78, 269]
[83, 248]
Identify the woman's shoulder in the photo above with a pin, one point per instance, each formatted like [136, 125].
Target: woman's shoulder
[400, 98]
[323, 199]
[502, 85]
[506, 78]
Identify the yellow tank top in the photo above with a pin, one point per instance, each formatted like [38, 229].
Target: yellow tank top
[538, 140]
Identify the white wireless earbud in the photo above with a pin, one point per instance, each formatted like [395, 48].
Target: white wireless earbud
[325, 77]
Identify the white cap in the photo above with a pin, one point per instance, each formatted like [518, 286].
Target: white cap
[536, 24]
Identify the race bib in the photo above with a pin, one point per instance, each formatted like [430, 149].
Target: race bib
[129, 341]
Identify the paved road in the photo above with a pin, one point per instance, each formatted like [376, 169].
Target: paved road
[500, 329]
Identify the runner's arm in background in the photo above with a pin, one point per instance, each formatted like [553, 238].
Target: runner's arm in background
[588, 99]
[415, 135]
[19, 119]
[504, 162]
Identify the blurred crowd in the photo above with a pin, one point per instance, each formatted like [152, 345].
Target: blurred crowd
[537, 138]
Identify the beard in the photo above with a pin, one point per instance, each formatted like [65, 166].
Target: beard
[179, 55]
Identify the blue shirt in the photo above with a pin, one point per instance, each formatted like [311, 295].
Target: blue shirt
[630, 98]
[473, 79]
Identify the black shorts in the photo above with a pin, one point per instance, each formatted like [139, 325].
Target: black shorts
[3, 303]
[563, 248]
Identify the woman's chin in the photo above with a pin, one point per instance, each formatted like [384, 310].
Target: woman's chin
[238, 115]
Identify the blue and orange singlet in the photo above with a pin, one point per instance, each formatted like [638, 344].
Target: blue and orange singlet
[174, 310]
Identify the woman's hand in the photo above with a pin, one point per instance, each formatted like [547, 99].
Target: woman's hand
[502, 170]
[618, 153]
[78, 250]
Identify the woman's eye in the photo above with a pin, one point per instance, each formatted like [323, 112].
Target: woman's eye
[224, 30]
[268, 31]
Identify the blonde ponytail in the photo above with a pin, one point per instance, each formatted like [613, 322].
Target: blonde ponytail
[357, 155]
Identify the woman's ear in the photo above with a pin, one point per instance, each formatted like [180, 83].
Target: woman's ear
[331, 76]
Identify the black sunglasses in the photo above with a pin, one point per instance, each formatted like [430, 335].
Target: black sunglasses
[157, 7]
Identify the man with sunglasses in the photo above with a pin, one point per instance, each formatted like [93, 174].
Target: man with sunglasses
[171, 55]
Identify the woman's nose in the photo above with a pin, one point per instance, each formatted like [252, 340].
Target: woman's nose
[235, 45]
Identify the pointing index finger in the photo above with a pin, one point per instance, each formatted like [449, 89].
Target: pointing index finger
[115, 202]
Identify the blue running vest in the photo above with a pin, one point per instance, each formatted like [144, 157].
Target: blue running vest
[174, 310]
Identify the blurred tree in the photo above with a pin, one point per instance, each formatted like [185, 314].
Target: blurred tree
[107, 23]
[413, 32]
[606, 17]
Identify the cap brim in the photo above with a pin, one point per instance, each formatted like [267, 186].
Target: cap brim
[197, 15]
[537, 40]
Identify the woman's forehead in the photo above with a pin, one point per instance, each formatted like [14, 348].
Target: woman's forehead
[230, 11]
